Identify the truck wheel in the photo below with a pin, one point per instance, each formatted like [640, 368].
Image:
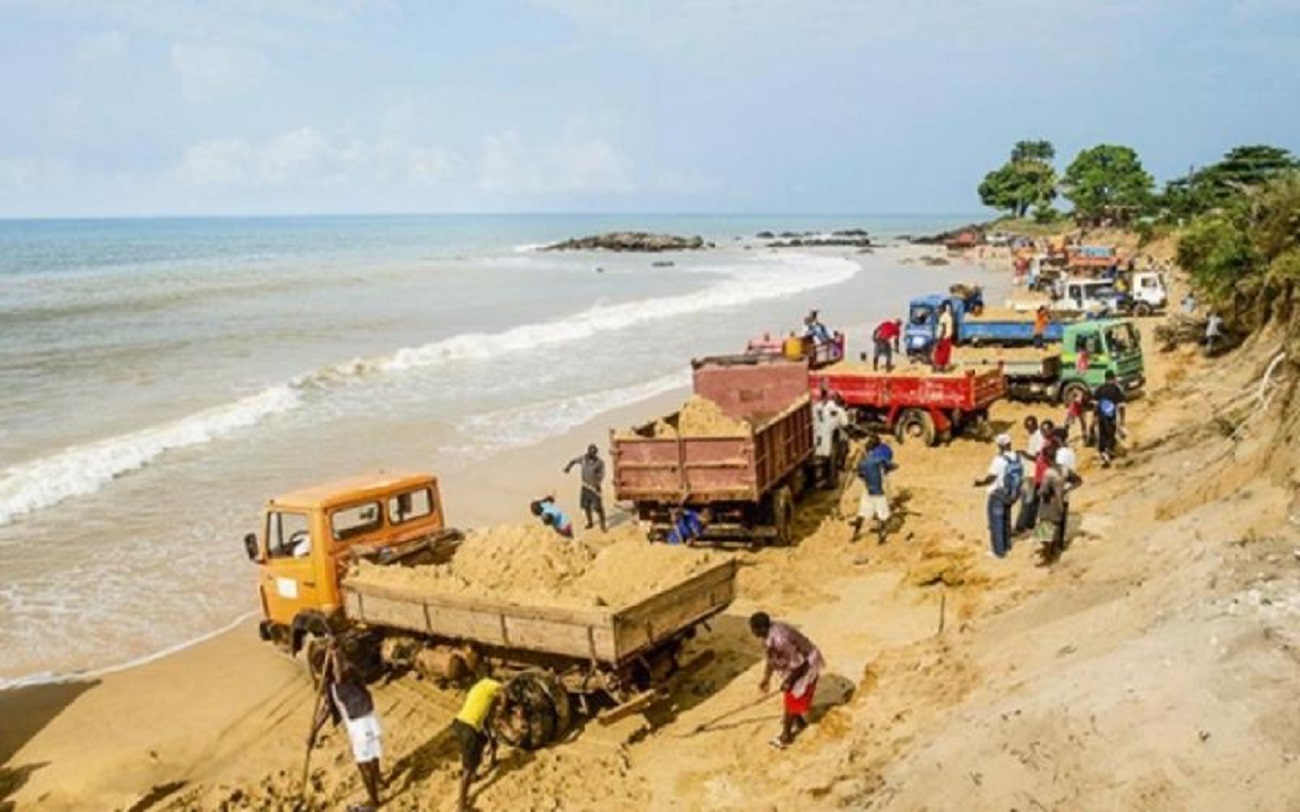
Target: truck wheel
[1068, 391]
[1142, 309]
[535, 723]
[783, 516]
[915, 424]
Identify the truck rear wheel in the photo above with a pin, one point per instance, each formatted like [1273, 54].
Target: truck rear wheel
[1142, 310]
[915, 424]
[544, 711]
[783, 515]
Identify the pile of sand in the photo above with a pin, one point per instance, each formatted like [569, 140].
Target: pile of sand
[533, 566]
[700, 417]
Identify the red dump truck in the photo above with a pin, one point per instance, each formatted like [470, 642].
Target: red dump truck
[747, 471]
[913, 401]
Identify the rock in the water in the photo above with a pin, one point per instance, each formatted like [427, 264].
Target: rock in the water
[638, 241]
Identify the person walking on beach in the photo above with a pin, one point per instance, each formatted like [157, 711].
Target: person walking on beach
[1003, 481]
[943, 338]
[551, 516]
[1109, 418]
[885, 339]
[876, 463]
[474, 729]
[350, 702]
[1076, 412]
[593, 479]
[797, 662]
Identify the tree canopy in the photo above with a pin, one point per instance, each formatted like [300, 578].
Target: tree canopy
[1026, 180]
[1107, 182]
[1216, 185]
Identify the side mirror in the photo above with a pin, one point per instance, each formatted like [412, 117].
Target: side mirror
[251, 548]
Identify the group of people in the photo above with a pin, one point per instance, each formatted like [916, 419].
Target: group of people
[1043, 494]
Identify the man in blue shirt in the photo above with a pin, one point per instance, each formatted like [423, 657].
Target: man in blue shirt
[876, 462]
[687, 525]
[551, 516]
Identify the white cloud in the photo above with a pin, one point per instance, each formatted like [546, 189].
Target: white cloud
[206, 72]
[580, 161]
[308, 157]
[101, 47]
[23, 173]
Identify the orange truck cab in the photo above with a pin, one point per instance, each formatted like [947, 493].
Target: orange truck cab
[309, 538]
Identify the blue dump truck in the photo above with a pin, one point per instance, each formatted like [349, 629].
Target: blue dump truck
[972, 323]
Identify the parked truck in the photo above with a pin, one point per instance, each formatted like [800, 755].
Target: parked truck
[1053, 373]
[912, 401]
[555, 660]
[748, 474]
[1002, 327]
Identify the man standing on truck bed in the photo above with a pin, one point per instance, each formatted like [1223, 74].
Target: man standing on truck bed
[350, 702]
[1110, 417]
[946, 332]
[473, 728]
[593, 478]
[798, 662]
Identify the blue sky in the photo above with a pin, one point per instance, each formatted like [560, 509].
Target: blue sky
[155, 107]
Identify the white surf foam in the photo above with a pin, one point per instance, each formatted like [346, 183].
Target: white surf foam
[84, 469]
[758, 280]
[527, 425]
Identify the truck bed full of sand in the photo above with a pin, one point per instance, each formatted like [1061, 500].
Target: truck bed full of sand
[534, 566]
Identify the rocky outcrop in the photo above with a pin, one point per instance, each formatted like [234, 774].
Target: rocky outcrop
[945, 237]
[822, 242]
[635, 241]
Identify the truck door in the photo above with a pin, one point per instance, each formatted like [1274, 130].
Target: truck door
[289, 577]
[1074, 293]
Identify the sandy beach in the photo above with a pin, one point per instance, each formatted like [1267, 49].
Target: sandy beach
[1151, 668]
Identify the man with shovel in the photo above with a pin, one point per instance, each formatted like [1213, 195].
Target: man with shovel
[798, 662]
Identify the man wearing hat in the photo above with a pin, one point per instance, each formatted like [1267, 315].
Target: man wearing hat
[1005, 477]
[593, 477]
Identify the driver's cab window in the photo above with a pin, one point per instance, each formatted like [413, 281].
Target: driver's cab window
[288, 535]
[920, 316]
[410, 505]
[355, 520]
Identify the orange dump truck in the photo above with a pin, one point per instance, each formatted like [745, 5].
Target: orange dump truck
[557, 660]
[747, 466]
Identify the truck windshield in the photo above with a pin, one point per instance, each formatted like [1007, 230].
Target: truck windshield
[920, 315]
[1122, 339]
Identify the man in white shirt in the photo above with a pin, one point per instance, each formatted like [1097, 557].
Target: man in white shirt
[829, 421]
[1004, 479]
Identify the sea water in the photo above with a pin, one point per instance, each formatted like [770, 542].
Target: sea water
[162, 378]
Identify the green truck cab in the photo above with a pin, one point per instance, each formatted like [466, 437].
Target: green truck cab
[1112, 345]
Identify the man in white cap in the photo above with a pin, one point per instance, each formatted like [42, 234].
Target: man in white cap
[1004, 479]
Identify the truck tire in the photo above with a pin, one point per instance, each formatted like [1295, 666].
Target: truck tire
[1068, 391]
[539, 717]
[915, 424]
[1142, 310]
[783, 516]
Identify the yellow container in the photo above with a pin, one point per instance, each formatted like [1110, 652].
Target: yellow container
[793, 348]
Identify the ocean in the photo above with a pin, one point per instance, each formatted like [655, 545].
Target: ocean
[163, 377]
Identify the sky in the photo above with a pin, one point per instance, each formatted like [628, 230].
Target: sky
[251, 107]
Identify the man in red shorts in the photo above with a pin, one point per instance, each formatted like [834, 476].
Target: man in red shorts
[798, 662]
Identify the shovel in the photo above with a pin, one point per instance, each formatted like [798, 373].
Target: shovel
[702, 726]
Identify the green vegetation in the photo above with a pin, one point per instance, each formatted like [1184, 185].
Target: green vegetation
[1245, 255]
[1217, 185]
[1107, 183]
[1026, 180]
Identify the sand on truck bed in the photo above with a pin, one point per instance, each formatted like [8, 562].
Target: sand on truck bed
[533, 566]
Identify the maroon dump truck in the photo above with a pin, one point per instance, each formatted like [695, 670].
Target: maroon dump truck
[747, 467]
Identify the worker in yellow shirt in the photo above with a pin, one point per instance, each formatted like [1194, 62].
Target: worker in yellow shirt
[473, 729]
